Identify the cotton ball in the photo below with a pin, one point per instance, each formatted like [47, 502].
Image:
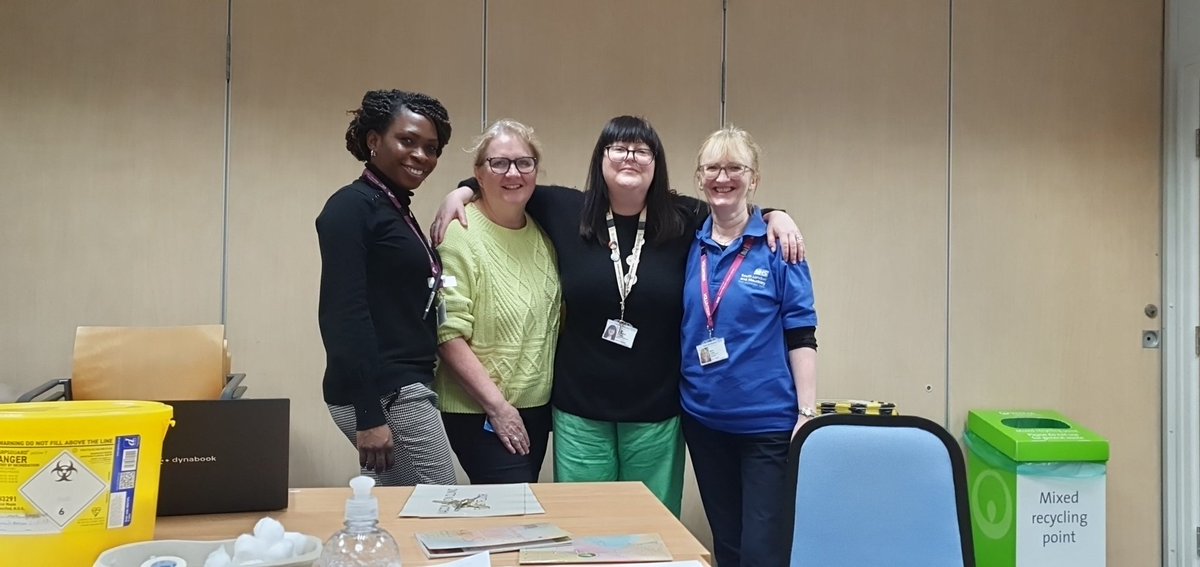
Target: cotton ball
[279, 551]
[299, 542]
[218, 558]
[248, 546]
[242, 543]
[268, 530]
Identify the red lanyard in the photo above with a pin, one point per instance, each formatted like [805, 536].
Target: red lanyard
[711, 305]
[435, 267]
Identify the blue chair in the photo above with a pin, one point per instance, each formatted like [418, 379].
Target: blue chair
[879, 490]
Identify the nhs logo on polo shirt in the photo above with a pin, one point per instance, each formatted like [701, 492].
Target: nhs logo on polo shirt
[757, 279]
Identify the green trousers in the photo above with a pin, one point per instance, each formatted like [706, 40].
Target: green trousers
[586, 450]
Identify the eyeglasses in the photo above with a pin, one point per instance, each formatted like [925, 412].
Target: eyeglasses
[501, 165]
[641, 156]
[713, 171]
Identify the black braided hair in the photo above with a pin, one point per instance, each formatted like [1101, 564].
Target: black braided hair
[379, 108]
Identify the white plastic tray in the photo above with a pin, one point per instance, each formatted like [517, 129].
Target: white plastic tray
[194, 552]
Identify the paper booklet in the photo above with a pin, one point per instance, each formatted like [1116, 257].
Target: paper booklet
[478, 560]
[600, 549]
[688, 563]
[455, 543]
[473, 501]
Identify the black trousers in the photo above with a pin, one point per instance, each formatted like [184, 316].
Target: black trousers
[742, 481]
[485, 459]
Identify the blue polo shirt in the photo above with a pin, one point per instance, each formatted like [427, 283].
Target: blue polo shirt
[753, 390]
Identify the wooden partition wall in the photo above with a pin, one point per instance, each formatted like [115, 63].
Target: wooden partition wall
[978, 180]
[853, 131]
[111, 149]
[1055, 231]
[566, 74]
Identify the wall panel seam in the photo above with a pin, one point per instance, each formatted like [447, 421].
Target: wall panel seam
[483, 98]
[225, 165]
[949, 193]
[724, 58]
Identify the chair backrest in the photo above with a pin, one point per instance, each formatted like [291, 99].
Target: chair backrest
[883, 490]
[149, 363]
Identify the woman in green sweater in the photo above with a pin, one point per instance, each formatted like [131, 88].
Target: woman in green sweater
[503, 303]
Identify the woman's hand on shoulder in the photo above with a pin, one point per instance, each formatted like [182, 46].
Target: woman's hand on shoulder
[782, 229]
[454, 207]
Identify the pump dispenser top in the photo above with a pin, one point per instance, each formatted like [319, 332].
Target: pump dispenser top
[362, 507]
[362, 543]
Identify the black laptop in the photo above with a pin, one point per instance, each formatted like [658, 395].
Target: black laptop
[225, 456]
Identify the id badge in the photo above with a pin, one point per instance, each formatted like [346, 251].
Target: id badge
[441, 310]
[619, 332]
[712, 351]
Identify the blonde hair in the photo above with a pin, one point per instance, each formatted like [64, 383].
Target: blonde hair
[500, 127]
[731, 142]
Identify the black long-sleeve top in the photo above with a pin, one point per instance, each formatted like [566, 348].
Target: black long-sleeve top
[594, 378]
[374, 288]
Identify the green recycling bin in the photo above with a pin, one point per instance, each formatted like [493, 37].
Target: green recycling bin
[1036, 483]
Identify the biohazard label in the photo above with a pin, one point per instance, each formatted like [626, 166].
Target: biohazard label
[67, 485]
[62, 489]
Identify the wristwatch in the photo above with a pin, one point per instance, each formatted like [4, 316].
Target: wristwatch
[808, 412]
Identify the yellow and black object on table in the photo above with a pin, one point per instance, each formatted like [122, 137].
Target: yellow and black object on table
[856, 407]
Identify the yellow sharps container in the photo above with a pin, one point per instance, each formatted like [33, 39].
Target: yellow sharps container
[77, 478]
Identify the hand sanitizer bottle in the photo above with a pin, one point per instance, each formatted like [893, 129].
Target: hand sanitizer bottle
[362, 543]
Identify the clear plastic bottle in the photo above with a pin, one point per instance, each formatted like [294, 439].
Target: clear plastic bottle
[362, 543]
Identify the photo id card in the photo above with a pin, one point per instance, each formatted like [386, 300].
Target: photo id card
[441, 310]
[712, 350]
[619, 332]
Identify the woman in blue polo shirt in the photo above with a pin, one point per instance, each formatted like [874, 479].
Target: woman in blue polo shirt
[749, 359]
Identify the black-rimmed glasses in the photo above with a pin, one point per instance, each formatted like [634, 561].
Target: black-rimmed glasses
[713, 171]
[641, 156]
[501, 165]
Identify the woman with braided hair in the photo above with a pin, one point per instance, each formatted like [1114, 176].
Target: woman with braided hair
[381, 293]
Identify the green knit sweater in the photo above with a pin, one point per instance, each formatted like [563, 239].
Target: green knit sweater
[506, 305]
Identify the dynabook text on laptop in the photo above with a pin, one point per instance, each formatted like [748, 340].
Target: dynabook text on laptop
[225, 456]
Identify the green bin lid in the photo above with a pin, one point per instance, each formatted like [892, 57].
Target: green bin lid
[1028, 436]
